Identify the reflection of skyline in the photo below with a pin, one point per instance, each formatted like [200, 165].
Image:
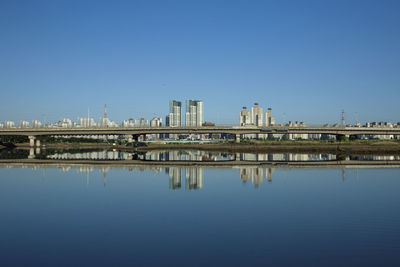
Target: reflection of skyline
[93, 155]
[200, 156]
[175, 177]
[256, 175]
[193, 178]
[188, 155]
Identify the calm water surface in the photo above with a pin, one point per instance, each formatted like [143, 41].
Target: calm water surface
[241, 216]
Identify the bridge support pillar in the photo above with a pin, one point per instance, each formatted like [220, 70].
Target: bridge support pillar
[31, 140]
[237, 138]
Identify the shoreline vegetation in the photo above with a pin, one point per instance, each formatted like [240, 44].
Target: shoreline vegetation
[256, 146]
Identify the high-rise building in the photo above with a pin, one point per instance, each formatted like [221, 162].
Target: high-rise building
[256, 115]
[194, 113]
[175, 113]
[244, 117]
[269, 120]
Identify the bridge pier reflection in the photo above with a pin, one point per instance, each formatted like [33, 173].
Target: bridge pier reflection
[32, 140]
[33, 152]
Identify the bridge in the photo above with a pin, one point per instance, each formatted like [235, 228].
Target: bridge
[133, 133]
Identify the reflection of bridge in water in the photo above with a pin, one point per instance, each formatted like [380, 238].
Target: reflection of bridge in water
[186, 156]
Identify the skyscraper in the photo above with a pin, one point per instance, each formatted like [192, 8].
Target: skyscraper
[194, 113]
[256, 115]
[269, 120]
[244, 117]
[175, 113]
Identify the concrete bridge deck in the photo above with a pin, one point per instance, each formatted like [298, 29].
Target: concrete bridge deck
[200, 130]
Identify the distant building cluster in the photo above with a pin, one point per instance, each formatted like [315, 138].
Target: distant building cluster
[193, 114]
[194, 117]
[255, 116]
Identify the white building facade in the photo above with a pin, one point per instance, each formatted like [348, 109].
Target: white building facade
[194, 113]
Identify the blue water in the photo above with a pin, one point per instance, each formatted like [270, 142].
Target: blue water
[301, 217]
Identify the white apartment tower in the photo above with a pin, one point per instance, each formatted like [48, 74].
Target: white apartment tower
[24, 124]
[244, 117]
[36, 124]
[194, 113]
[175, 113]
[256, 115]
[269, 120]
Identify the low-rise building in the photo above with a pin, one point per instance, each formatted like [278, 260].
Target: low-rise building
[9, 124]
[64, 123]
[36, 124]
[24, 124]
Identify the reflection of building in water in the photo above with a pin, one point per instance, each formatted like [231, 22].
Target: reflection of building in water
[94, 155]
[284, 157]
[86, 168]
[193, 181]
[268, 173]
[255, 174]
[194, 178]
[65, 168]
[156, 169]
[187, 156]
[104, 171]
[175, 177]
[375, 157]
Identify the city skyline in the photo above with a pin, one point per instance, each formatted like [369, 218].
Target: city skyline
[193, 116]
[307, 61]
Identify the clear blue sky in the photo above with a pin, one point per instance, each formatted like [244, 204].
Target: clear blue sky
[307, 60]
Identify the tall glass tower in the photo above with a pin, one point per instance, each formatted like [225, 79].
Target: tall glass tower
[175, 113]
[194, 113]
